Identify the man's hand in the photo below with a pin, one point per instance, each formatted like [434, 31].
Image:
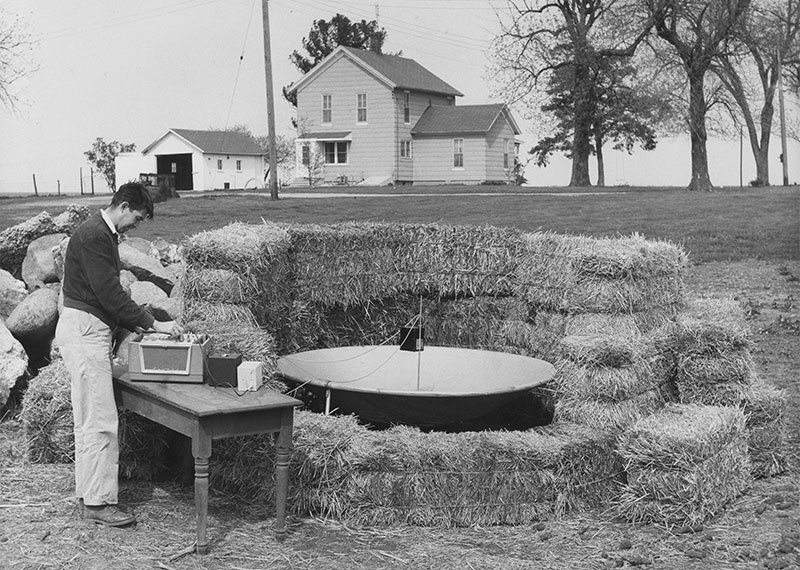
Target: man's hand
[172, 328]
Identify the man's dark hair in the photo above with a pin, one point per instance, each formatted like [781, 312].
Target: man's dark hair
[137, 197]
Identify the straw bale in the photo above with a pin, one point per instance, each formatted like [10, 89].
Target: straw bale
[576, 274]
[537, 337]
[608, 415]
[477, 478]
[219, 286]
[715, 380]
[712, 326]
[144, 452]
[604, 383]
[681, 435]
[47, 416]
[689, 494]
[764, 407]
[604, 350]
[236, 247]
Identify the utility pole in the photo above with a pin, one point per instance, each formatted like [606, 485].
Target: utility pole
[273, 154]
[784, 150]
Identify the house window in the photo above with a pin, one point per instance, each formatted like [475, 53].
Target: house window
[406, 109]
[405, 149]
[458, 153]
[219, 164]
[238, 166]
[306, 153]
[505, 153]
[327, 107]
[174, 167]
[362, 108]
[336, 152]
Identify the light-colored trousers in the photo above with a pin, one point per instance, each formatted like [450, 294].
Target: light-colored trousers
[85, 345]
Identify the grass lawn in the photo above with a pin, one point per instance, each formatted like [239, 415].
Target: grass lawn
[730, 224]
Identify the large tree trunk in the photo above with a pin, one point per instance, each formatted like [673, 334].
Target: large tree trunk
[761, 152]
[581, 147]
[598, 150]
[697, 131]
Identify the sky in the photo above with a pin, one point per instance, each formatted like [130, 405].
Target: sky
[129, 71]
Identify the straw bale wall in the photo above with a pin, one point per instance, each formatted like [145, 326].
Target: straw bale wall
[341, 469]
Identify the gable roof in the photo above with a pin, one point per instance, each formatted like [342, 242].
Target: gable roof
[462, 119]
[395, 71]
[214, 142]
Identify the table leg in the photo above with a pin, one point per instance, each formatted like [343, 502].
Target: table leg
[201, 449]
[283, 447]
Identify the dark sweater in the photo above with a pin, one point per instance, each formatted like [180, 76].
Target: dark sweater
[91, 277]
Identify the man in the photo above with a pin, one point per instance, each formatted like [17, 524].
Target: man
[94, 305]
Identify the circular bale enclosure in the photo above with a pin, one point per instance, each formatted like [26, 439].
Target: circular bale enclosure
[609, 314]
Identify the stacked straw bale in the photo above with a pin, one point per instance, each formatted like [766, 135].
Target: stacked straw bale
[684, 464]
[576, 274]
[608, 373]
[714, 364]
[342, 470]
[49, 429]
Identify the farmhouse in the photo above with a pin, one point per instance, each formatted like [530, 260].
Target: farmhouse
[377, 119]
[198, 160]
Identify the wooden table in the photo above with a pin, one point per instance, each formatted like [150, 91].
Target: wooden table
[206, 413]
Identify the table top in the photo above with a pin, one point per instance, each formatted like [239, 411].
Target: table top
[204, 400]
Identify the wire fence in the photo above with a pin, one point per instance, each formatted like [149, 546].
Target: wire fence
[82, 182]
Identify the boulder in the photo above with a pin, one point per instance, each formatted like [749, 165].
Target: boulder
[167, 253]
[145, 292]
[14, 240]
[138, 243]
[59, 255]
[39, 265]
[71, 218]
[145, 267]
[12, 293]
[13, 363]
[168, 309]
[127, 279]
[34, 320]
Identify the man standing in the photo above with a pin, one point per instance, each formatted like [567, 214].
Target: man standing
[94, 305]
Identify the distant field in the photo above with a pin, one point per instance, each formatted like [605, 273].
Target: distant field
[725, 225]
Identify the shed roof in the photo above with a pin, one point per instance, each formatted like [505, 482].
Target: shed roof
[214, 142]
[397, 72]
[462, 119]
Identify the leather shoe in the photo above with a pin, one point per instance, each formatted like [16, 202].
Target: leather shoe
[109, 515]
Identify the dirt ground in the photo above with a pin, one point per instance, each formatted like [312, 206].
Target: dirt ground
[40, 527]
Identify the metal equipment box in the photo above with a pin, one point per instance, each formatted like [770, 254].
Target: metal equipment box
[167, 360]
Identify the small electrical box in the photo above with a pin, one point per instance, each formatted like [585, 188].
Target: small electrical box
[169, 360]
[221, 368]
[412, 339]
[249, 376]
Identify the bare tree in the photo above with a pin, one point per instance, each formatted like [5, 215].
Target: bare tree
[700, 33]
[543, 37]
[769, 31]
[15, 60]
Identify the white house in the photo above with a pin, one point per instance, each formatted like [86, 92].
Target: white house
[199, 160]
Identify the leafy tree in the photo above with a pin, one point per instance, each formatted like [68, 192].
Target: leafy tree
[622, 113]
[101, 156]
[541, 38]
[768, 30]
[326, 36]
[699, 32]
[15, 62]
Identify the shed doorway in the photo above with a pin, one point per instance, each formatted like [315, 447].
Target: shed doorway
[179, 166]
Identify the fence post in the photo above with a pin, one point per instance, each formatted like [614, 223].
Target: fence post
[35, 189]
[91, 177]
[59, 186]
[81, 177]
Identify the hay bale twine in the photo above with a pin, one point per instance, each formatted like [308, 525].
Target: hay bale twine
[34, 320]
